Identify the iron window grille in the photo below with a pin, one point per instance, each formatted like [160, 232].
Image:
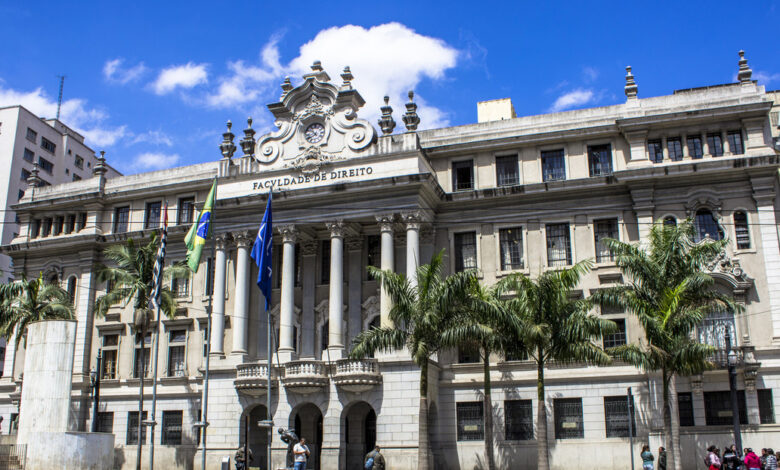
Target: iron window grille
[121, 219]
[674, 145]
[147, 355]
[568, 418]
[186, 211]
[171, 427]
[105, 422]
[606, 228]
[558, 245]
[177, 345]
[617, 338]
[655, 150]
[132, 428]
[715, 143]
[48, 145]
[511, 241]
[695, 149]
[600, 160]
[717, 408]
[463, 175]
[518, 420]
[553, 165]
[465, 251]
[616, 416]
[470, 421]
[766, 408]
[741, 230]
[735, 142]
[507, 171]
[153, 212]
[685, 408]
[712, 330]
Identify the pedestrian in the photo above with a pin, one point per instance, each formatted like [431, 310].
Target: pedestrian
[374, 460]
[752, 462]
[771, 460]
[763, 458]
[242, 455]
[730, 459]
[712, 461]
[301, 452]
[647, 458]
[662, 458]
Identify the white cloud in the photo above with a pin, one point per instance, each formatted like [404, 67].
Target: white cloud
[186, 76]
[114, 73]
[764, 78]
[153, 137]
[155, 161]
[590, 73]
[572, 99]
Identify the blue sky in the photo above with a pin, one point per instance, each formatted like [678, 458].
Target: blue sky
[153, 83]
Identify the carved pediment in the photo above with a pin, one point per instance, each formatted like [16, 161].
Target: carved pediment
[730, 270]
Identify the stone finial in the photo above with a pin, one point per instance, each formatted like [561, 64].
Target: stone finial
[248, 142]
[745, 73]
[386, 122]
[286, 87]
[317, 73]
[34, 180]
[316, 66]
[631, 88]
[100, 168]
[347, 77]
[411, 119]
[227, 147]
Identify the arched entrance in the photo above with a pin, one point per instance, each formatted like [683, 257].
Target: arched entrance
[257, 437]
[359, 432]
[307, 423]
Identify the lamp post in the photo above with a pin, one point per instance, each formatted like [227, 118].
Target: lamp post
[94, 380]
[732, 367]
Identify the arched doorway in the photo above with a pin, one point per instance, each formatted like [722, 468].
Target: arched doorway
[307, 422]
[257, 437]
[359, 432]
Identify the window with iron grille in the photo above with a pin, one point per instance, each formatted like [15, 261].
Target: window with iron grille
[766, 408]
[616, 416]
[553, 165]
[186, 210]
[29, 155]
[695, 149]
[177, 345]
[32, 136]
[568, 418]
[617, 338]
[325, 262]
[735, 142]
[105, 422]
[605, 228]
[180, 286]
[656, 150]
[507, 171]
[706, 226]
[468, 354]
[470, 421]
[46, 165]
[600, 160]
[121, 219]
[171, 428]
[558, 244]
[511, 241]
[675, 149]
[741, 230]
[518, 420]
[153, 211]
[717, 408]
[463, 175]
[48, 145]
[79, 162]
[465, 251]
[110, 354]
[715, 142]
[685, 408]
[132, 428]
[146, 354]
[374, 253]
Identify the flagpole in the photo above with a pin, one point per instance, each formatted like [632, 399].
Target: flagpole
[207, 336]
[158, 289]
[268, 394]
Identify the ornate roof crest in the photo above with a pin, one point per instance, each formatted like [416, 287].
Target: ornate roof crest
[314, 108]
[312, 160]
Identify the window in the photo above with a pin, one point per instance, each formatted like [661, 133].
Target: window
[132, 428]
[670, 221]
[617, 338]
[616, 416]
[465, 251]
[177, 344]
[558, 245]
[46, 231]
[655, 150]
[32, 136]
[468, 354]
[706, 226]
[46, 165]
[374, 251]
[186, 210]
[685, 408]
[71, 288]
[518, 420]
[741, 230]
[694, 146]
[463, 175]
[29, 155]
[110, 355]
[600, 160]
[507, 171]
[735, 142]
[153, 210]
[146, 355]
[470, 421]
[511, 241]
[568, 418]
[180, 286]
[25, 174]
[324, 335]
[717, 408]
[79, 162]
[105, 422]
[766, 408]
[171, 428]
[35, 228]
[121, 219]
[48, 145]
[675, 149]
[325, 262]
[76, 177]
[210, 265]
[606, 228]
[715, 142]
[553, 165]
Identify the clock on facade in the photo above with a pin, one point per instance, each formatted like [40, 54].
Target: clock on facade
[314, 133]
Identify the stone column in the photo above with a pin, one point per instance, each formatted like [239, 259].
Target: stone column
[412, 220]
[308, 271]
[355, 287]
[643, 207]
[240, 320]
[217, 333]
[386, 263]
[286, 306]
[764, 195]
[336, 295]
[684, 142]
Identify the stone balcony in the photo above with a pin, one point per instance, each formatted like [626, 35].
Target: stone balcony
[357, 375]
[305, 376]
[252, 378]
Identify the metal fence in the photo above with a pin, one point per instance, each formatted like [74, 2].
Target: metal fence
[12, 456]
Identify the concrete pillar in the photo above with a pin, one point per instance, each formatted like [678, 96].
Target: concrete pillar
[336, 295]
[386, 264]
[308, 272]
[240, 319]
[412, 220]
[764, 195]
[685, 149]
[217, 334]
[355, 287]
[643, 207]
[287, 303]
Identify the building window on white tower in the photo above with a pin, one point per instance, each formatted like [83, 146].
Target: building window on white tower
[48, 145]
[603, 229]
[741, 230]
[79, 162]
[110, 354]
[568, 418]
[29, 155]
[715, 142]
[177, 345]
[32, 136]
[553, 165]
[507, 171]
[152, 216]
[121, 219]
[600, 160]
[465, 251]
[558, 245]
[695, 148]
[655, 151]
[511, 241]
[674, 145]
[463, 175]
[146, 353]
[735, 142]
[186, 210]
[470, 421]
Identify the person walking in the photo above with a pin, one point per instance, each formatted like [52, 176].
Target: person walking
[712, 461]
[771, 460]
[647, 458]
[374, 460]
[662, 458]
[242, 455]
[752, 462]
[301, 452]
[730, 460]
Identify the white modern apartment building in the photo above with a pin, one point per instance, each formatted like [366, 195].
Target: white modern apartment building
[506, 194]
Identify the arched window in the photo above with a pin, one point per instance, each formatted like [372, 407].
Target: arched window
[712, 332]
[741, 230]
[670, 221]
[324, 335]
[72, 289]
[706, 226]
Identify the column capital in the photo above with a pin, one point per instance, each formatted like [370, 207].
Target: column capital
[223, 240]
[354, 244]
[309, 248]
[243, 238]
[288, 232]
[336, 228]
[413, 219]
[386, 222]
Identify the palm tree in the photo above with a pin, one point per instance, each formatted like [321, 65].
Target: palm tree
[553, 326]
[420, 314]
[670, 294]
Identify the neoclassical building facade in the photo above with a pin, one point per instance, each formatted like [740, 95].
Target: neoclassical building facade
[504, 195]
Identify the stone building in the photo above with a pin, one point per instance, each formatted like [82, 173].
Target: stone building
[503, 195]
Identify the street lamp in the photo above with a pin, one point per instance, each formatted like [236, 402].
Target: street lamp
[732, 367]
[94, 381]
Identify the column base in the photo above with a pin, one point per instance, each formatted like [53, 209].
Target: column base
[335, 353]
[285, 355]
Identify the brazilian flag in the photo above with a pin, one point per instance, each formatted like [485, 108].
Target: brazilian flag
[200, 231]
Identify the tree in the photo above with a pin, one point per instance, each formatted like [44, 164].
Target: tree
[670, 294]
[420, 314]
[553, 326]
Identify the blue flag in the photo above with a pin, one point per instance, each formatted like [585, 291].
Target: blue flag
[261, 253]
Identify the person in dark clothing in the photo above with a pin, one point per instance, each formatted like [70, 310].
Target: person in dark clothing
[239, 457]
[661, 458]
[730, 460]
[377, 458]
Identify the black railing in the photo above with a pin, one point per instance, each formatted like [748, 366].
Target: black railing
[12, 456]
